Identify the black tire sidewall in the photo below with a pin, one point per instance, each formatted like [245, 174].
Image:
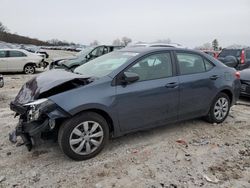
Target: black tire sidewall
[211, 112]
[67, 127]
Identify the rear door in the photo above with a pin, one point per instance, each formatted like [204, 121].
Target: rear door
[3, 61]
[197, 84]
[153, 99]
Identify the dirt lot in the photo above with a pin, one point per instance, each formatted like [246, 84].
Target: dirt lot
[188, 154]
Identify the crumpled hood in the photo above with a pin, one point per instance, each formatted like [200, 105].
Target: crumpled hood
[49, 83]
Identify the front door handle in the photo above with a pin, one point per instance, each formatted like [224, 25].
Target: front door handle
[214, 77]
[172, 85]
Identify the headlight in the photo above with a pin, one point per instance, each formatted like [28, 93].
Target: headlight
[37, 102]
[38, 107]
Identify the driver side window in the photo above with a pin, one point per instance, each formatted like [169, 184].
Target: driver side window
[153, 67]
[97, 52]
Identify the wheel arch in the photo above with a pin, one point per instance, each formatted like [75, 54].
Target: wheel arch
[29, 63]
[229, 93]
[104, 114]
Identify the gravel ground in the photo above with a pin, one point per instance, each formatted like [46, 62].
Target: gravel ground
[188, 154]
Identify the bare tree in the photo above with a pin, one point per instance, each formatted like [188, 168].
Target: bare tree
[167, 41]
[215, 44]
[117, 42]
[94, 43]
[206, 46]
[3, 28]
[126, 40]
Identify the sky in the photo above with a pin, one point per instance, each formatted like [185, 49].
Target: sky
[188, 22]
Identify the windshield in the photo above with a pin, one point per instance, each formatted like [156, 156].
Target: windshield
[230, 52]
[84, 52]
[105, 64]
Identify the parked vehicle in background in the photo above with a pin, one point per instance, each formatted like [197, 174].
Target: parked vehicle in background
[38, 51]
[237, 58]
[82, 57]
[121, 92]
[18, 60]
[157, 45]
[1, 81]
[245, 82]
[212, 53]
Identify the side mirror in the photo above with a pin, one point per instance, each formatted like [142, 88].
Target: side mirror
[129, 77]
[1, 81]
[87, 56]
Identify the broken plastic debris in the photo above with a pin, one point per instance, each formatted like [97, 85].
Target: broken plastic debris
[180, 141]
[211, 180]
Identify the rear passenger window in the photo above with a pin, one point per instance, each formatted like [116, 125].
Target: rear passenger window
[16, 54]
[208, 65]
[3, 54]
[190, 63]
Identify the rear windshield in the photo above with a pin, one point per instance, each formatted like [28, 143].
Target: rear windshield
[230, 52]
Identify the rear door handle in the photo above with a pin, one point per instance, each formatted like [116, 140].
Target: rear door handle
[214, 77]
[172, 85]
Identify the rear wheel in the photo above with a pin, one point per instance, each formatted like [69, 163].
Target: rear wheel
[29, 69]
[219, 109]
[83, 136]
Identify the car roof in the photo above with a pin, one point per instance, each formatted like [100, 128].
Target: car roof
[153, 49]
[11, 49]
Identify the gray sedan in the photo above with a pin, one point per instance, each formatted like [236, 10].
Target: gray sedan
[121, 92]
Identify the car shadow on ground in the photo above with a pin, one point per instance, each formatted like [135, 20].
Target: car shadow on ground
[245, 99]
[21, 73]
[133, 140]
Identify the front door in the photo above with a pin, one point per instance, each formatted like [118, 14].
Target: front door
[153, 99]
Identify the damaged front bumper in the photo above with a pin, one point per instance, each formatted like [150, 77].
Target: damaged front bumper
[31, 130]
[28, 132]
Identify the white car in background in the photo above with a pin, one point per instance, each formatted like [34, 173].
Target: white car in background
[18, 60]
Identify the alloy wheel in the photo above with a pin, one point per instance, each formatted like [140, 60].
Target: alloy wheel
[221, 108]
[29, 70]
[86, 137]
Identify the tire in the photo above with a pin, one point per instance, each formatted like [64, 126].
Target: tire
[29, 69]
[83, 136]
[218, 113]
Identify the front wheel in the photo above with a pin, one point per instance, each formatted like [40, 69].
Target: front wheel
[219, 109]
[83, 136]
[29, 69]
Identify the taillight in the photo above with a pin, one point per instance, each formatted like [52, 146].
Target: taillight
[237, 75]
[242, 57]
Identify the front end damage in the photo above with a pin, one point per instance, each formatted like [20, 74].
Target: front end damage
[36, 120]
[38, 115]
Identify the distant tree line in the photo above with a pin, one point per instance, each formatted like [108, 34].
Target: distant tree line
[6, 36]
[214, 45]
[14, 38]
[123, 42]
